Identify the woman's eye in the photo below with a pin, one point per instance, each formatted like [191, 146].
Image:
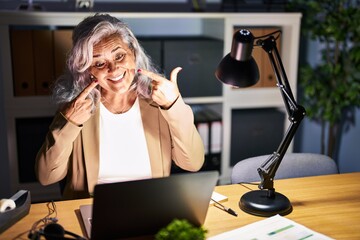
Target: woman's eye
[99, 64]
[119, 57]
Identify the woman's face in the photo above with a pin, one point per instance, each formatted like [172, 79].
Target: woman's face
[113, 64]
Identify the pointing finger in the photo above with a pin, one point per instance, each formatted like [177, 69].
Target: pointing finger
[153, 76]
[88, 90]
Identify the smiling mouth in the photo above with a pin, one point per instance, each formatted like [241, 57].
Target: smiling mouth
[118, 77]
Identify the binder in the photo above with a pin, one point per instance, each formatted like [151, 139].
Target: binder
[62, 45]
[209, 125]
[43, 61]
[22, 62]
[213, 158]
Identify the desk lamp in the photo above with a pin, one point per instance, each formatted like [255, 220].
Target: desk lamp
[239, 69]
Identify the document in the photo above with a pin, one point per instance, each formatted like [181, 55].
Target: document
[276, 227]
[217, 197]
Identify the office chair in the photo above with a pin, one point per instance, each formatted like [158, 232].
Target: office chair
[293, 165]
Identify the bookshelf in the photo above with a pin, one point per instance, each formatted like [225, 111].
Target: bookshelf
[217, 26]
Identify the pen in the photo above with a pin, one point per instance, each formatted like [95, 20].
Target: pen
[226, 209]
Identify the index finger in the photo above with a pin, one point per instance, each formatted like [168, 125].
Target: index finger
[88, 90]
[153, 76]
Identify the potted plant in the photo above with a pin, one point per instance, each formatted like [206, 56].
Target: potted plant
[331, 88]
[181, 229]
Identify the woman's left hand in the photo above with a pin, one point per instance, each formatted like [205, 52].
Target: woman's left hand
[164, 91]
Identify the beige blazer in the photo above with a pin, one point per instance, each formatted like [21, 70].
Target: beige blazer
[73, 152]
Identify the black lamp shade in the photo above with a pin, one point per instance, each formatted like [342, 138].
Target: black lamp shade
[239, 68]
[237, 73]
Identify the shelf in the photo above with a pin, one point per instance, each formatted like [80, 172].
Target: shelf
[219, 26]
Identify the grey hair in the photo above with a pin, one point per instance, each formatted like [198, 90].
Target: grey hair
[85, 35]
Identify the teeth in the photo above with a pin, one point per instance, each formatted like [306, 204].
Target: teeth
[117, 78]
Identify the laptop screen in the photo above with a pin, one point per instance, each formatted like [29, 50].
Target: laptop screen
[143, 207]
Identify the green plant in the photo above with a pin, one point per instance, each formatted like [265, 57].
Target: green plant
[331, 88]
[181, 230]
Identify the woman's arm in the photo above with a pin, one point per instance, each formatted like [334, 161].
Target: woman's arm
[52, 159]
[188, 148]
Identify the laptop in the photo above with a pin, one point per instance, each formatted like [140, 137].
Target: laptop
[125, 210]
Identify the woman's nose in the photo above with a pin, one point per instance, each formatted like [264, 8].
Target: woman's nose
[112, 66]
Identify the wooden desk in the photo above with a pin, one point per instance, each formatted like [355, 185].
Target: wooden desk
[326, 204]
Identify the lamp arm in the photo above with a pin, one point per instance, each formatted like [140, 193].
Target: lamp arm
[295, 112]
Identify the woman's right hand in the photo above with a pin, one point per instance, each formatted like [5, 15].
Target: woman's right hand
[78, 111]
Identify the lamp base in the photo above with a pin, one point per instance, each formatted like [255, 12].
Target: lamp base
[258, 203]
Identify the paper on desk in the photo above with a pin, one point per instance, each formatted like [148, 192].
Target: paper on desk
[276, 227]
[218, 197]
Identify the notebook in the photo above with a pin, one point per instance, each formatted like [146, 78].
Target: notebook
[141, 208]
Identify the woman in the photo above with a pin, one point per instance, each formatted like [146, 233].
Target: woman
[118, 120]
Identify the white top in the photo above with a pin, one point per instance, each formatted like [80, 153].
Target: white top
[123, 151]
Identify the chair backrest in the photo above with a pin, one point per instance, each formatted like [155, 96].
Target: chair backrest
[293, 165]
